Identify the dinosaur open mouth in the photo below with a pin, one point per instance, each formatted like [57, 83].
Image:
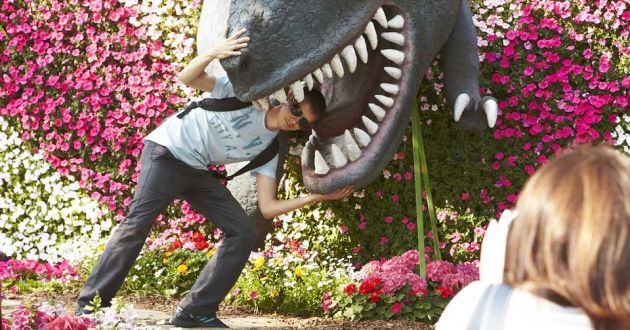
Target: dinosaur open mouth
[363, 83]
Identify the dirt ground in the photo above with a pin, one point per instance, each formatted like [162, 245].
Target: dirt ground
[166, 305]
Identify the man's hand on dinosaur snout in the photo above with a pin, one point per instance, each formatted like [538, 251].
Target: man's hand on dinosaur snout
[229, 47]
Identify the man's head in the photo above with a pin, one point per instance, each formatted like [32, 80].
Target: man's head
[294, 116]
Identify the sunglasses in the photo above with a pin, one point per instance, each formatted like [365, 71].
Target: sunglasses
[297, 112]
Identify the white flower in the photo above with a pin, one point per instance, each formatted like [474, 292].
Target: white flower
[43, 215]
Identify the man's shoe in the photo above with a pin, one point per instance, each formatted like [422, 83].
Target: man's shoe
[82, 311]
[185, 319]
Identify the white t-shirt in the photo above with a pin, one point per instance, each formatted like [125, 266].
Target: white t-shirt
[205, 137]
[525, 311]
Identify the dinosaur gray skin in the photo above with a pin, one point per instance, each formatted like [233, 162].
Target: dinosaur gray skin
[319, 43]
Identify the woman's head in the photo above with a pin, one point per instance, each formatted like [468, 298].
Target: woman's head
[572, 234]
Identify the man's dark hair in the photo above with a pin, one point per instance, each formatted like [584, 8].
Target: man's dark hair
[317, 102]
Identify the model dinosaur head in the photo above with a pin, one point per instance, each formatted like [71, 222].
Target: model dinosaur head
[367, 57]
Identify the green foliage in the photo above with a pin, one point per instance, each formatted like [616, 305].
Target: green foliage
[167, 273]
[266, 290]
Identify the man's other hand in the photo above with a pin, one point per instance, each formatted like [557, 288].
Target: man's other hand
[229, 47]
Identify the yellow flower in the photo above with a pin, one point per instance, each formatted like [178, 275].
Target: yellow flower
[299, 271]
[273, 294]
[168, 254]
[258, 263]
[182, 268]
[210, 252]
[101, 248]
[165, 260]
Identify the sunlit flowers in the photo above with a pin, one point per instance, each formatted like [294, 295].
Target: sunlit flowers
[182, 269]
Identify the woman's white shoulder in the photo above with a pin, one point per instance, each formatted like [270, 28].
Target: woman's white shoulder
[460, 309]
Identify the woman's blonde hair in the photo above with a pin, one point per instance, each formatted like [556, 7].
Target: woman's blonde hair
[570, 242]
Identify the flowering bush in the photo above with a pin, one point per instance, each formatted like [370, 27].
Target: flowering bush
[290, 278]
[391, 289]
[170, 273]
[85, 85]
[45, 316]
[621, 133]
[43, 216]
[17, 274]
[54, 317]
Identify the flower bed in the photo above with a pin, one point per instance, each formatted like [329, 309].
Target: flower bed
[391, 289]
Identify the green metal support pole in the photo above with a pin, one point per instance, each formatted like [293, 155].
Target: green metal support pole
[420, 161]
[415, 132]
[427, 186]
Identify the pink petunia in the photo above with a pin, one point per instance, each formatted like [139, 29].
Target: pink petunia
[397, 307]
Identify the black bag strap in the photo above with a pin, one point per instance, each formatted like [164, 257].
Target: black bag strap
[219, 105]
[261, 159]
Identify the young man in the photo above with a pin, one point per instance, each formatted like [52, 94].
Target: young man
[175, 163]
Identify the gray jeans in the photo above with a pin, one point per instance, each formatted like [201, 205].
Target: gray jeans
[163, 178]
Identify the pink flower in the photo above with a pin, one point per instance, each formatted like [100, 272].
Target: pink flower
[253, 295]
[528, 71]
[343, 229]
[396, 307]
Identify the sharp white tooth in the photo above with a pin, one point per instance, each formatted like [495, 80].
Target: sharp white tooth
[377, 111]
[461, 103]
[380, 17]
[361, 49]
[351, 58]
[298, 91]
[390, 88]
[327, 70]
[257, 105]
[371, 126]
[264, 102]
[353, 150]
[386, 101]
[337, 66]
[363, 139]
[397, 22]
[395, 73]
[393, 55]
[309, 81]
[394, 37]
[319, 75]
[306, 151]
[339, 160]
[280, 95]
[492, 111]
[370, 31]
[320, 164]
